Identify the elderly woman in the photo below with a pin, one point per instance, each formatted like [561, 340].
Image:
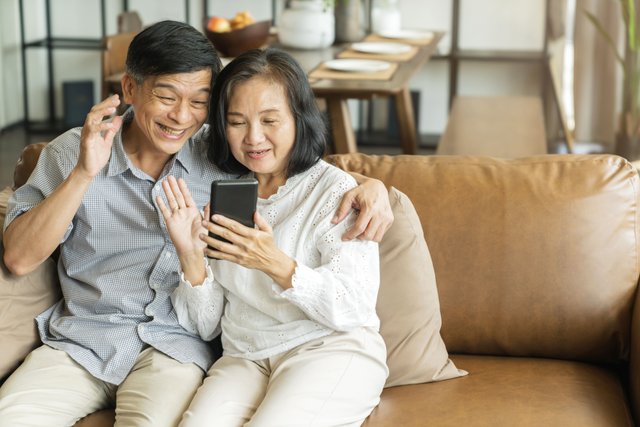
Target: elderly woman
[295, 303]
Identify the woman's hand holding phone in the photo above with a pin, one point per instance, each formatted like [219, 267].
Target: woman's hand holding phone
[249, 247]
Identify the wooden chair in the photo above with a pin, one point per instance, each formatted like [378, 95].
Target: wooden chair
[114, 55]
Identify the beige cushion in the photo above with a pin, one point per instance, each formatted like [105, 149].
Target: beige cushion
[408, 304]
[4, 198]
[22, 298]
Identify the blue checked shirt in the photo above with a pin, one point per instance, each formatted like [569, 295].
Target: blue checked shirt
[117, 264]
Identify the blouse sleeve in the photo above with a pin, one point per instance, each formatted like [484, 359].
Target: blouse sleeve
[199, 308]
[341, 292]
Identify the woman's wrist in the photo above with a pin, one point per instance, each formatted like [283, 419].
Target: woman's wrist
[193, 267]
[282, 271]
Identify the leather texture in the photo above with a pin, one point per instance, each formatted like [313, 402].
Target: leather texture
[533, 257]
[26, 163]
[507, 392]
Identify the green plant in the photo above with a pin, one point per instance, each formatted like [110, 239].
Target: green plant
[629, 61]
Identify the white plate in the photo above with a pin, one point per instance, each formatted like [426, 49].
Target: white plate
[383, 48]
[406, 34]
[357, 65]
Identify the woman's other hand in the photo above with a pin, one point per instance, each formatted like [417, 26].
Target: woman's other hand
[250, 247]
[184, 223]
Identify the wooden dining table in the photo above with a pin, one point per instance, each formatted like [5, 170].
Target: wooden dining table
[336, 93]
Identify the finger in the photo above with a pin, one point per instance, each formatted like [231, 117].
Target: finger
[357, 228]
[370, 231]
[222, 231]
[105, 108]
[380, 232]
[216, 248]
[112, 129]
[188, 199]
[166, 213]
[346, 204]
[231, 225]
[262, 223]
[169, 194]
[177, 193]
[207, 212]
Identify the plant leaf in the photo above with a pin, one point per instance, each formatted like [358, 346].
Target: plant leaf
[631, 24]
[606, 36]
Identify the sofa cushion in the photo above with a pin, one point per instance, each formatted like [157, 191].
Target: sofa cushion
[22, 298]
[510, 391]
[534, 257]
[408, 302]
[4, 198]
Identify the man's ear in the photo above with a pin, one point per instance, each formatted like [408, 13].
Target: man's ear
[128, 88]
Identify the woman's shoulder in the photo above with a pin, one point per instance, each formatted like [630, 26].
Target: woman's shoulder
[331, 175]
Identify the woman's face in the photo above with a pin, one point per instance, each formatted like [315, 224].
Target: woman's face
[260, 127]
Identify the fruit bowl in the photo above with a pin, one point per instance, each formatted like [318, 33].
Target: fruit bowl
[233, 43]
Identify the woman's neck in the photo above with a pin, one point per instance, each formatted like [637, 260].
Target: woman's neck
[268, 184]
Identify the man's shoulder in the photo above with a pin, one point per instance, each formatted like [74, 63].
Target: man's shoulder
[67, 142]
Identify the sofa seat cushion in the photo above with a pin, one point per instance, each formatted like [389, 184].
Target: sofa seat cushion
[509, 391]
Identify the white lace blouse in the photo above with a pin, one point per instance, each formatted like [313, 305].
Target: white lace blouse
[335, 284]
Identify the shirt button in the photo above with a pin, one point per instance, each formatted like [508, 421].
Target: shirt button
[167, 255]
[149, 311]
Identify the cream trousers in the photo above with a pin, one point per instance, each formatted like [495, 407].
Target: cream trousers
[331, 381]
[50, 389]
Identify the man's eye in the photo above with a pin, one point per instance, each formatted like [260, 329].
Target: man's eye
[199, 104]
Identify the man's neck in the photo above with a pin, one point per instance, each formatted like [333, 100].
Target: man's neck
[149, 161]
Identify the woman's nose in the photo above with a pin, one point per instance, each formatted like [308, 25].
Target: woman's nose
[255, 134]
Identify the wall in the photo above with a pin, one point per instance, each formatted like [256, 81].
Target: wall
[495, 24]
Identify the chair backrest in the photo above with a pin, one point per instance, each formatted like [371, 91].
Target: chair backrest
[114, 56]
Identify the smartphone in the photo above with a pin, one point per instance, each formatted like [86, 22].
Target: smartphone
[235, 199]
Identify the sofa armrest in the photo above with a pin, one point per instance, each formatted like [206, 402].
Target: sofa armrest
[634, 359]
[26, 163]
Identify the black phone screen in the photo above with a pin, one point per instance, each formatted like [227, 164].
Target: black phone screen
[235, 199]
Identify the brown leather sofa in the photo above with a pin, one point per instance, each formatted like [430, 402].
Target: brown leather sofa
[537, 265]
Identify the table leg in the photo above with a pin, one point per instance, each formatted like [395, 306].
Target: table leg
[344, 138]
[406, 122]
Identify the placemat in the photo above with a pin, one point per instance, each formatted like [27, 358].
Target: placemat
[322, 72]
[416, 42]
[354, 54]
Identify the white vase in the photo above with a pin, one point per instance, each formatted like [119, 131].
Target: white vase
[307, 24]
[385, 16]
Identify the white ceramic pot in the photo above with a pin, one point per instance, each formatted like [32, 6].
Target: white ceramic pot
[307, 24]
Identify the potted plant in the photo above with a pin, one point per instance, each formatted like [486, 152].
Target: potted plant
[628, 140]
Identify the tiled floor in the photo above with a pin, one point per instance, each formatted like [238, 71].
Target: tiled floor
[13, 140]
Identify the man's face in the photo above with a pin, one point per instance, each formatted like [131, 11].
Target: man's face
[169, 109]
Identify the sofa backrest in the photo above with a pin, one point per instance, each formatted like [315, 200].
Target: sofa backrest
[533, 257]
